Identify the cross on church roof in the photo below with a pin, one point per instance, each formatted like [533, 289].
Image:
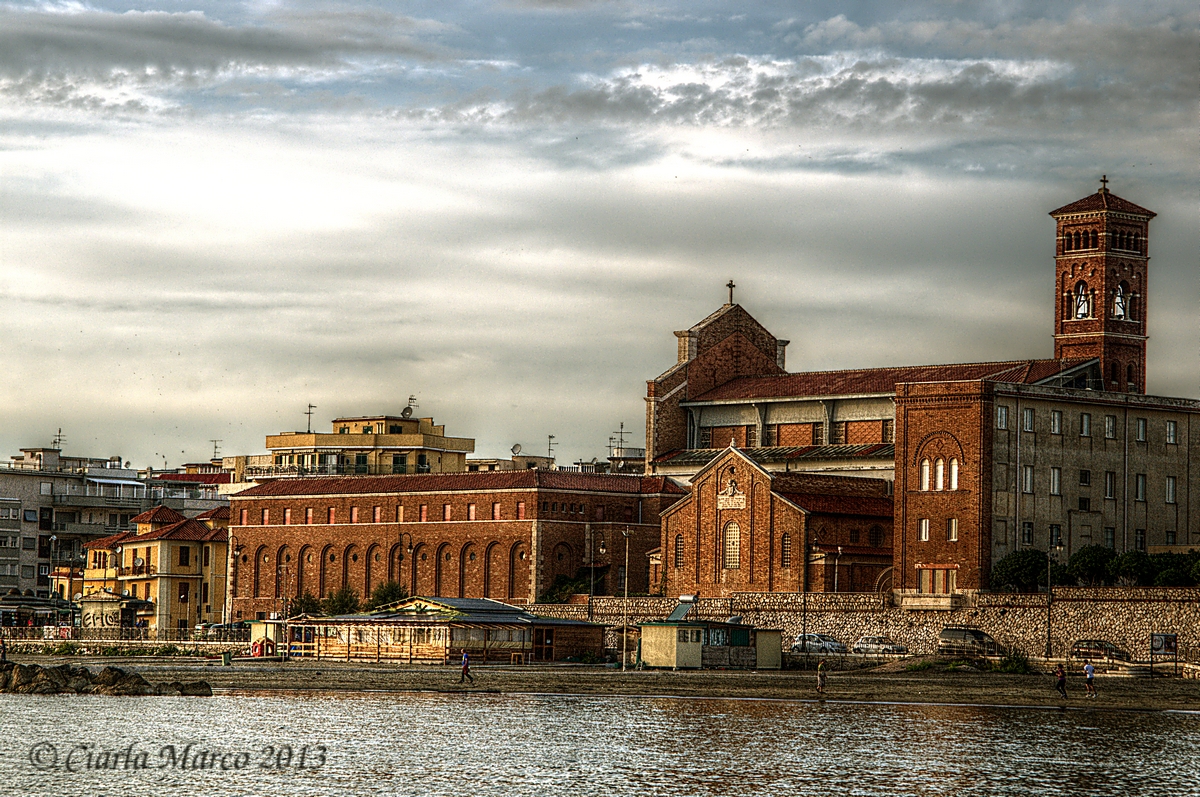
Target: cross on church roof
[730, 286]
[1104, 183]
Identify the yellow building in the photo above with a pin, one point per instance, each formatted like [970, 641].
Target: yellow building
[370, 445]
[176, 564]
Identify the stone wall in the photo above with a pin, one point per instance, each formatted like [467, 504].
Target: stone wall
[1123, 616]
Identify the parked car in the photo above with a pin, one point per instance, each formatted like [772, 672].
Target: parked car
[817, 643]
[878, 645]
[959, 641]
[1097, 649]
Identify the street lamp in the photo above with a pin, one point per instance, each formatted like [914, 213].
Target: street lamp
[625, 620]
[836, 560]
[1052, 549]
[592, 565]
[408, 550]
[231, 576]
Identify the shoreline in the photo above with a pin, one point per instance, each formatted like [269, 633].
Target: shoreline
[884, 685]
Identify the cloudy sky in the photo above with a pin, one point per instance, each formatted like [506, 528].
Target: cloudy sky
[214, 214]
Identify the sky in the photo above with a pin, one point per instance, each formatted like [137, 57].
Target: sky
[213, 215]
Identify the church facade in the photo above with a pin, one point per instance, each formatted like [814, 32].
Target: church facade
[979, 459]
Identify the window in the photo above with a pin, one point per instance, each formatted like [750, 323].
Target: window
[818, 437]
[1110, 427]
[207, 555]
[954, 474]
[679, 550]
[1141, 430]
[332, 515]
[1139, 487]
[939, 474]
[185, 556]
[1001, 417]
[446, 512]
[1027, 532]
[837, 433]
[1170, 490]
[705, 437]
[400, 513]
[733, 546]
[1027, 419]
[952, 529]
[353, 514]
[287, 516]
[1172, 433]
[923, 529]
[184, 589]
[770, 435]
[1110, 537]
[1055, 535]
[204, 593]
[244, 517]
[1056, 422]
[1085, 424]
[1085, 504]
[520, 510]
[376, 514]
[854, 535]
[424, 513]
[751, 437]
[496, 510]
[889, 431]
[1056, 481]
[785, 550]
[1139, 539]
[1170, 536]
[924, 475]
[470, 511]
[1110, 484]
[1027, 479]
[875, 536]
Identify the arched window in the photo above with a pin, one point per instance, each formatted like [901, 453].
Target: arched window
[939, 474]
[785, 551]
[1137, 242]
[875, 536]
[1076, 246]
[954, 474]
[924, 475]
[1067, 242]
[1121, 302]
[1082, 305]
[678, 551]
[1095, 239]
[1129, 376]
[733, 546]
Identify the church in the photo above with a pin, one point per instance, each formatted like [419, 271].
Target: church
[918, 479]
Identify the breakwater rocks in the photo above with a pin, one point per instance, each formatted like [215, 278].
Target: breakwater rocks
[33, 679]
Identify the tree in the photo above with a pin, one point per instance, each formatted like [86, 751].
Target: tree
[1196, 572]
[1089, 565]
[1025, 570]
[385, 593]
[1132, 569]
[1172, 569]
[305, 604]
[344, 601]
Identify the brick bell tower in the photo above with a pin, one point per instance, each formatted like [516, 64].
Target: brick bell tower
[1101, 258]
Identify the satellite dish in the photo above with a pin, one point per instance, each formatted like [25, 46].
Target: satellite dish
[125, 592]
[138, 562]
[78, 595]
[406, 412]
[516, 449]
[594, 460]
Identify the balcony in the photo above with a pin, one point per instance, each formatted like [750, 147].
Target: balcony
[110, 501]
[344, 469]
[137, 571]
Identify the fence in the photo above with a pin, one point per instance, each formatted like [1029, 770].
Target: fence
[65, 632]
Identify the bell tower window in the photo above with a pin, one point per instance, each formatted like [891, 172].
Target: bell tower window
[1082, 305]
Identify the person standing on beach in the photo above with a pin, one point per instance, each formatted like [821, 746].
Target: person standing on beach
[821, 676]
[1090, 673]
[1061, 684]
[3, 650]
[466, 670]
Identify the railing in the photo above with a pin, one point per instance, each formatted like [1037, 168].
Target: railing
[345, 469]
[164, 634]
[137, 570]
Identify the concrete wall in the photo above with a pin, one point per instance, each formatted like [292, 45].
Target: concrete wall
[1124, 616]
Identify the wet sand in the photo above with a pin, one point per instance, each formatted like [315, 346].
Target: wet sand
[890, 683]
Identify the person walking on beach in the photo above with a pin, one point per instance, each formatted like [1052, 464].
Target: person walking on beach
[466, 670]
[1061, 684]
[3, 650]
[1090, 674]
[821, 676]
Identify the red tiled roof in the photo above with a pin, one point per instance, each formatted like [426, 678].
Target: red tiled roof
[159, 514]
[216, 513]
[473, 482]
[883, 380]
[196, 478]
[1103, 200]
[187, 530]
[109, 542]
[866, 506]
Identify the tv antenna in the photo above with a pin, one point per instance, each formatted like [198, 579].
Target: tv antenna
[550, 444]
[309, 413]
[216, 448]
[58, 440]
[412, 402]
[620, 435]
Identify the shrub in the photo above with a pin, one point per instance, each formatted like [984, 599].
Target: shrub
[1132, 569]
[388, 592]
[1013, 662]
[305, 604]
[919, 666]
[344, 601]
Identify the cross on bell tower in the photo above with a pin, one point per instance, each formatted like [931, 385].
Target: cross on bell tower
[1101, 268]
